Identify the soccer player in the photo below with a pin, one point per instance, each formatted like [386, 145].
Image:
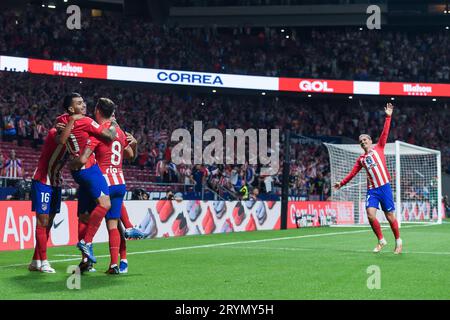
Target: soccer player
[109, 156]
[46, 196]
[379, 189]
[89, 177]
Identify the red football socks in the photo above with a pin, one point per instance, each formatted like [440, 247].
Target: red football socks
[114, 244]
[36, 255]
[82, 228]
[376, 228]
[123, 248]
[394, 227]
[41, 239]
[94, 223]
[125, 218]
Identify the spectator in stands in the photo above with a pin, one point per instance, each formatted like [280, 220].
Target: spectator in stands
[13, 166]
[142, 158]
[335, 53]
[39, 132]
[199, 178]
[254, 195]
[309, 156]
[9, 127]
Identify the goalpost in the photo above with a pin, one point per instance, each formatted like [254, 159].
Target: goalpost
[415, 180]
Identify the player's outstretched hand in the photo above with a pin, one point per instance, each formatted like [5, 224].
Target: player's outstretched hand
[388, 109]
[337, 185]
[131, 140]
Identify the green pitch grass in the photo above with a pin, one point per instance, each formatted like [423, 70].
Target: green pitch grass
[314, 263]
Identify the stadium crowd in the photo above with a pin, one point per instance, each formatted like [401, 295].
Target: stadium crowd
[29, 102]
[331, 53]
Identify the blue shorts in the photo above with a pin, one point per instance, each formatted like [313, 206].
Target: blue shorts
[381, 195]
[92, 180]
[45, 199]
[116, 194]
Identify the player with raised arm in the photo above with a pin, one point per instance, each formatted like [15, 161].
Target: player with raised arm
[109, 156]
[379, 189]
[92, 184]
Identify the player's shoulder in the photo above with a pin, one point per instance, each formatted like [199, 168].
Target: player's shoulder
[51, 135]
[52, 132]
[89, 120]
[121, 134]
[64, 118]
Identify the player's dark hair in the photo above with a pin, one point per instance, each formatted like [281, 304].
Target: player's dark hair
[68, 99]
[106, 107]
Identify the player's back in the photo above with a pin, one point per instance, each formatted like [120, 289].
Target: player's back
[51, 161]
[109, 155]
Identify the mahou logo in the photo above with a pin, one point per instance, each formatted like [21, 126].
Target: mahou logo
[316, 86]
[67, 69]
[417, 90]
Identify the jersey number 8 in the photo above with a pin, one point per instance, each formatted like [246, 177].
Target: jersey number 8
[116, 150]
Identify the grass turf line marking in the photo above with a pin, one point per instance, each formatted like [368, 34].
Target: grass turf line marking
[338, 250]
[212, 245]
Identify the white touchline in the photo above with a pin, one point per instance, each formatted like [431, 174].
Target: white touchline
[336, 250]
[203, 246]
[216, 245]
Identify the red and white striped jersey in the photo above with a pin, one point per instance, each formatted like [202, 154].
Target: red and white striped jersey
[13, 168]
[109, 155]
[374, 162]
[51, 161]
[83, 129]
[159, 168]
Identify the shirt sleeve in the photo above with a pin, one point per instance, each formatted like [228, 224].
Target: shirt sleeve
[353, 173]
[92, 127]
[385, 134]
[62, 119]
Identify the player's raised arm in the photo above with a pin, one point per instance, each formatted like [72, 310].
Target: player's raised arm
[109, 133]
[62, 137]
[350, 176]
[387, 124]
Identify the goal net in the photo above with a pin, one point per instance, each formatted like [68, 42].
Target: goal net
[416, 181]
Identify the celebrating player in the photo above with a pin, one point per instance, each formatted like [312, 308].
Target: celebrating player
[92, 184]
[379, 189]
[109, 157]
[46, 195]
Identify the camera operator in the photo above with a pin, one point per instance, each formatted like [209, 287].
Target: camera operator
[139, 194]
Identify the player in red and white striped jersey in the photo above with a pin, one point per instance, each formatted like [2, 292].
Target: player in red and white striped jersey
[109, 157]
[379, 189]
[76, 135]
[46, 196]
